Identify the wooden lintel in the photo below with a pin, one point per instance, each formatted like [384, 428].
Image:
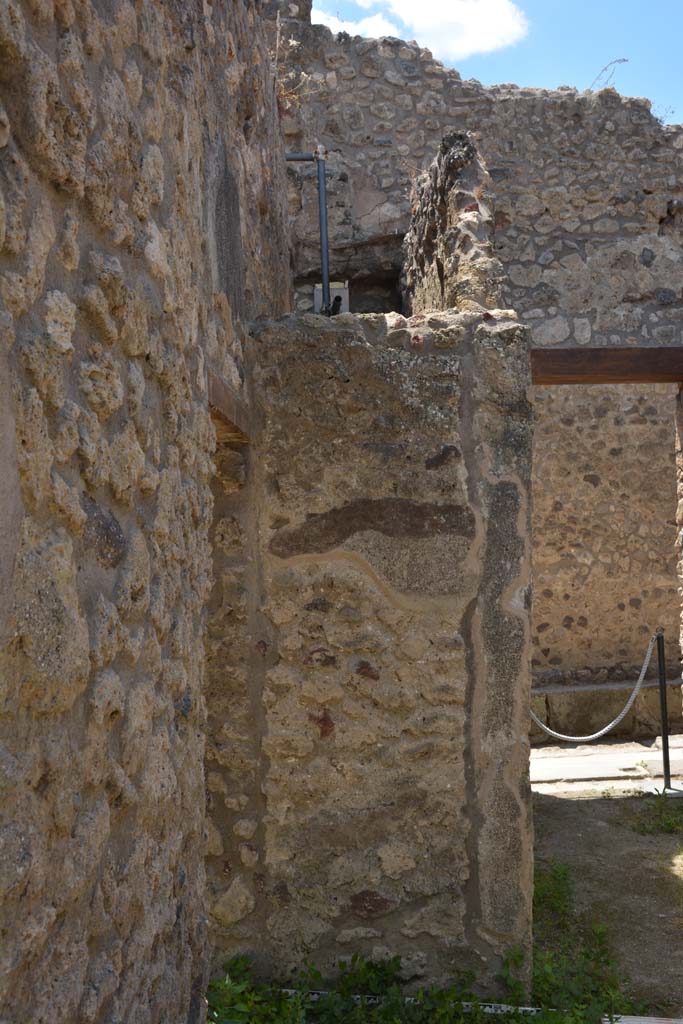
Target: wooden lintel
[637, 365]
[226, 404]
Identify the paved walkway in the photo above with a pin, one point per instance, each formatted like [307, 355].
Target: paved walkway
[621, 766]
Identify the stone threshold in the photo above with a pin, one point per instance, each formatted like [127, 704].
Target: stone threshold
[551, 689]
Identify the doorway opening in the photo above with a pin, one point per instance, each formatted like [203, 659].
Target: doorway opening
[604, 535]
[604, 561]
[605, 577]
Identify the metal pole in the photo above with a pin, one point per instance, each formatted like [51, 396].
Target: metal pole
[320, 157]
[663, 707]
[324, 241]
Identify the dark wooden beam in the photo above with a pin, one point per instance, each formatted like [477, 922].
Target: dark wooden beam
[636, 365]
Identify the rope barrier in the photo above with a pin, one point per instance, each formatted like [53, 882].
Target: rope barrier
[620, 717]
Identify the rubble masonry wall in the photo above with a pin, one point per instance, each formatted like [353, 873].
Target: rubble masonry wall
[140, 221]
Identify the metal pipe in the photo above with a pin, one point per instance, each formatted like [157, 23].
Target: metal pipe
[663, 708]
[324, 240]
[320, 157]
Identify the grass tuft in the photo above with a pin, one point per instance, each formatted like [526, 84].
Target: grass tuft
[572, 967]
[659, 815]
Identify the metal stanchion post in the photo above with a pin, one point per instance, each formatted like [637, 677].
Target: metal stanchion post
[664, 708]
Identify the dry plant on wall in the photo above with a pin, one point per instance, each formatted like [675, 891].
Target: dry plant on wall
[291, 87]
[605, 76]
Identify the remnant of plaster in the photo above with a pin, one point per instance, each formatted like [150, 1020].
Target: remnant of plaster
[367, 556]
[394, 517]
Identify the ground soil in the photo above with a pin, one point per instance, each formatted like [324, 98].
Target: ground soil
[631, 883]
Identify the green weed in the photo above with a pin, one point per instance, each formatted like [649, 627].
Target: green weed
[572, 965]
[553, 896]
[659, 815]
[574, 981]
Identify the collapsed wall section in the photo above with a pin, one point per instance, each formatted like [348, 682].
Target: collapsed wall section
[449, 255]
[140, 218]
[391, 475]
[582, 180]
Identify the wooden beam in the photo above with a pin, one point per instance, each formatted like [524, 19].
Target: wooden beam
[636, 365]
[229, 407]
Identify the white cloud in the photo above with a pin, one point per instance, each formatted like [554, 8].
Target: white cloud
[452, 29]
[374, 26]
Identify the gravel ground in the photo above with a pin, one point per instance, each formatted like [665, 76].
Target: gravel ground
[631, 883]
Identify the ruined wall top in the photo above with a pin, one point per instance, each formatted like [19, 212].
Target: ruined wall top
[594, 165]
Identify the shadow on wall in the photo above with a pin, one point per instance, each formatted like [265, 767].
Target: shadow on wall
[225, 232]
[376, 295]
[372, 294]
[10, 501]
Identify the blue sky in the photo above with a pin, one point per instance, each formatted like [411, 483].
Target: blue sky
[538, 42]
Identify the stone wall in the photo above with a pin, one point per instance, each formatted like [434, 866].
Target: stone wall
[605, 534]
[140, 219]
[581, 179]
[366, 681]
[679, 491]
[386, 653]
[586, 194]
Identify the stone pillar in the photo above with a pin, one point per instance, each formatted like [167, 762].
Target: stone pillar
[391, 482]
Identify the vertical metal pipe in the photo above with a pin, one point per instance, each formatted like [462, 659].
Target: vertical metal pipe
[320, 158]
[324, 242]
[663, 708]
